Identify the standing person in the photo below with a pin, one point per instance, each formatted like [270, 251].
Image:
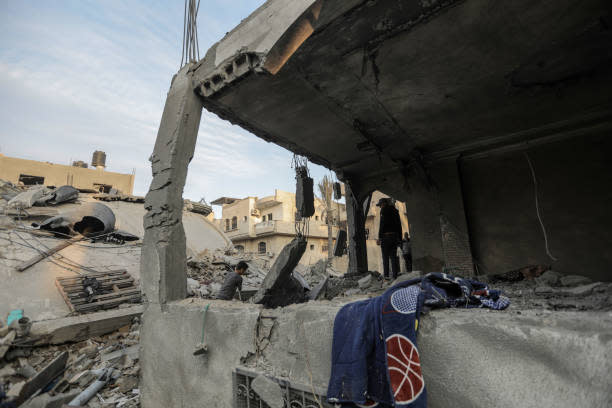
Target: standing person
[389, 236]
[407, 252]
[233, 281]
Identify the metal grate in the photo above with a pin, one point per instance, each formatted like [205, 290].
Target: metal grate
[295, 395]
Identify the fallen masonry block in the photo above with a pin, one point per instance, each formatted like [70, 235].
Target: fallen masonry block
[269, 391]
[279, 287]
[318, 291]
[83, 327]
[131, 352]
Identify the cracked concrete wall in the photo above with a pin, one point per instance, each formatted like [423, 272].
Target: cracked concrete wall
[471, 357]
[171, 376]
[163, 265]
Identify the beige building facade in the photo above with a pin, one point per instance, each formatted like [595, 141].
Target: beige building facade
[265, 225]
[30, 172]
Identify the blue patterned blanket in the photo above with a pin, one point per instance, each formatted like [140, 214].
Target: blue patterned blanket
[375, 361]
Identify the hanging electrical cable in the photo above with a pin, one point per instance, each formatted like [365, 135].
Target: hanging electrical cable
[537, 205]
[191, 47]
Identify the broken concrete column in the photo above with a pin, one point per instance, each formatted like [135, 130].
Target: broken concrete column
[279, 287]
[357, 251]
[163, 261]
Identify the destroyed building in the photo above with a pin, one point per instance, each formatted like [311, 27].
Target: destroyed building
[489, 120]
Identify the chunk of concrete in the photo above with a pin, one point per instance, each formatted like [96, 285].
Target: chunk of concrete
[581, 290]
[549, 278]
[192, 286]
[365, 282]
[269, 391]
[279, 287]
[319, 290]
[7, 371]
[574, 280]
[542, 290]
[83, 327]
[6, 341]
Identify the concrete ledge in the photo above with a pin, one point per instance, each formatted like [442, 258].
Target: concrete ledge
[78, 328]
[471, 358]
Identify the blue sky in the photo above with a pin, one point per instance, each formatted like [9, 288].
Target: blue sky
[79, 76]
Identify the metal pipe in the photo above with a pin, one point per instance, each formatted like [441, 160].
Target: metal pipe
[92, 390]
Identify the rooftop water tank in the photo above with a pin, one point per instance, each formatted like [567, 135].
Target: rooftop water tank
[98, 159]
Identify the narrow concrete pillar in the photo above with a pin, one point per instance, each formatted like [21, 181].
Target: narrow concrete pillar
[425, 237]
[357, 251]
[163, 260]
[453, 221]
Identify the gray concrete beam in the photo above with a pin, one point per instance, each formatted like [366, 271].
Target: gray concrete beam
[163, 265]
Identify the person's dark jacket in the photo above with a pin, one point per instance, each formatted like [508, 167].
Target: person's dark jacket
[390, 224]
[232, 282]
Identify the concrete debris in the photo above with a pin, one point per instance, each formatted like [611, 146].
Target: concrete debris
[28, 198]
[51, 401]
[269, 391]
[6, 341]
[82, 327]
[26, 371]
[69, 369]
[280, 288]
[131, 352]
[526, 273]
[574, 280]
[365, 282]
[43, 377]
[207, 272]
[549, 278]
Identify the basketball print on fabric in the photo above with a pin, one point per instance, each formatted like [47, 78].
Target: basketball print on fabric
[405, 300]
[404, 369]
[368, 404]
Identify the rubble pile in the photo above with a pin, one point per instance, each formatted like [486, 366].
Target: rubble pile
[551, 290]
[48, 376]
[207, 272]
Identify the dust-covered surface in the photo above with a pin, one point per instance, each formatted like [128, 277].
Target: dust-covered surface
[553, 291]
[86, 360]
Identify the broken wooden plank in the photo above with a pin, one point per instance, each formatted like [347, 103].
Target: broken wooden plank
[83, 327]
[67, 279]
[64, 295]
[121, 283]
[44, 254]
[113, 295]
[106, 304]
[43, 377]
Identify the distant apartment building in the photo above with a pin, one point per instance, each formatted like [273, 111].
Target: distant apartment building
[32, 172]
[265, 225]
